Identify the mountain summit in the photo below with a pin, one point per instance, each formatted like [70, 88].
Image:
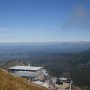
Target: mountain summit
[10, 82]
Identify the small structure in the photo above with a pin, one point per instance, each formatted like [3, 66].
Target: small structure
[63, 79]
[29, 72]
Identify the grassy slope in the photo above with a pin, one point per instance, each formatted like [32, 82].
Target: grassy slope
[10, 82]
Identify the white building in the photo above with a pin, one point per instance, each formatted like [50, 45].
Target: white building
[29, 72]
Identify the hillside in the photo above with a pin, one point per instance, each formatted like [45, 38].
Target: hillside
[9, 82]
[77, 63]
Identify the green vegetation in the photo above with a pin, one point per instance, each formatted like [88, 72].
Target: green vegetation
[81, 77]
[77, 63]
[81, 69]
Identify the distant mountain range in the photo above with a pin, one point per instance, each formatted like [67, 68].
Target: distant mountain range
[45, 46]
[27, 50]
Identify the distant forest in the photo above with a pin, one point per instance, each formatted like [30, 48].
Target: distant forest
[77, 63]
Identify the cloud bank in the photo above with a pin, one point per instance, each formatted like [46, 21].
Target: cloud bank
[79, 19]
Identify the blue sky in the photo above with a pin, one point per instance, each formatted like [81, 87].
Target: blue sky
[44, 20]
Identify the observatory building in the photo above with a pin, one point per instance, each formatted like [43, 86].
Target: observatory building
[29, 72]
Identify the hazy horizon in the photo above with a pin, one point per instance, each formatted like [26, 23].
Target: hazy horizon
[45, 42]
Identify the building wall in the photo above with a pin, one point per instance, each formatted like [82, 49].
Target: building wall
[37, 75]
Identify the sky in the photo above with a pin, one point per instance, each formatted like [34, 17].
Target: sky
[44, 20]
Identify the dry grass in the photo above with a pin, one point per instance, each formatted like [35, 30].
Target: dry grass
[10, 82]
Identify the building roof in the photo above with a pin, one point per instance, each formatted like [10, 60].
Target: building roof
[63, 79]
[33, 68]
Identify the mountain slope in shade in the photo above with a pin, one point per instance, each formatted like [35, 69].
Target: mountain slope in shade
[10, 82]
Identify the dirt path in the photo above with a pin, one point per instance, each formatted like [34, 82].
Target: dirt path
[62, 87]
